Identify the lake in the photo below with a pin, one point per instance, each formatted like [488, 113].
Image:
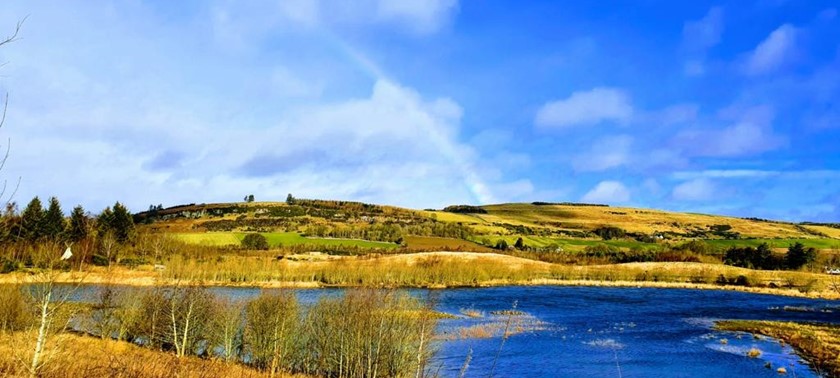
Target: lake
[604, 332]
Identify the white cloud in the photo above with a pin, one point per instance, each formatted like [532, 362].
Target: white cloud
[609, 152]
[695, 190]
[724, 173]
[698, 37]
[586, 108]
[422, 16]
[133, 118]
[750, 133]
[651, 186]
[607, 192]
[774, 52]
[704, 33]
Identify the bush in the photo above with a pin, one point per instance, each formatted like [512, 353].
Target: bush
[7, 266]
[255, 241]
[797, 256]
[608, 233]
[15, 313]
[752, 258]
[271, 321]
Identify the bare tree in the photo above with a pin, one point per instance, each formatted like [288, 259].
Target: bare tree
[9, 39]
[49, 299]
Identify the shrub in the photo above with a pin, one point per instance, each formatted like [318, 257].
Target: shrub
[7, 266]
[609, 232]
[255, 241]
[271, 321]
[15, 311]
[797, 256]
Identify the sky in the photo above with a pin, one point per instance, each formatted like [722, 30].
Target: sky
[724, 107]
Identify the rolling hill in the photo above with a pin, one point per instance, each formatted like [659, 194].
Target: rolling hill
[540, 225]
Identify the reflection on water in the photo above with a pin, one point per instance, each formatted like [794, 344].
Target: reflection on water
[600, 332]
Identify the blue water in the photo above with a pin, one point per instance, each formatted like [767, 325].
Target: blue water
[623, 332]
[607, 332]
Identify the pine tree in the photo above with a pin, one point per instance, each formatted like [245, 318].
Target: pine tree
[54, 223]
[32, 221]
[104, 222]
[123, 223]
[77, 230]
[797, 256]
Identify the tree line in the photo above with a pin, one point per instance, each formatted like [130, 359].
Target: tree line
[36, 223]
[100, 237]
[763, 257]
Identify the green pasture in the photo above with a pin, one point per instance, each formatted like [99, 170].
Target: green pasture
[774, 243]
[275, 239]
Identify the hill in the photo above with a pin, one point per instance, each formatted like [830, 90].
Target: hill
[540, 225]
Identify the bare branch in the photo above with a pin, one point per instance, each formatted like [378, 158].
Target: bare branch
[14, 36]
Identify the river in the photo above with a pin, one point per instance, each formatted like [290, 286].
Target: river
[557, 331]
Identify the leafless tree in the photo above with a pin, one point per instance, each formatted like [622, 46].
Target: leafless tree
[5, 154]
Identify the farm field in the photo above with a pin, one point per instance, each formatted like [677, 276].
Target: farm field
[443, 244]
[775, 243]
[274, 239]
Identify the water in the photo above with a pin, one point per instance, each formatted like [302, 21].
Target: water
[626, 332]
[606, 332]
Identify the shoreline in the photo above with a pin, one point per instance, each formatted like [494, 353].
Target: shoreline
[818, 344]
[149, 279]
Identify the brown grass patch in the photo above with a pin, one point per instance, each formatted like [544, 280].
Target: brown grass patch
[81, 356]
[817, 343]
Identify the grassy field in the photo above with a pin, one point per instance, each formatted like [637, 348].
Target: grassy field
[428, 243]
[818, 343]
[567, 244]
[83, 356]
[274, 239]
[631, 219]
[775, 243]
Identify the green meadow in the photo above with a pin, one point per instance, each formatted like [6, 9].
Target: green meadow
[774, 243]
[275, 239]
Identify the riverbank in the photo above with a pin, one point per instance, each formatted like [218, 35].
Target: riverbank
[441, 270]
[817, 343]
[73, 355]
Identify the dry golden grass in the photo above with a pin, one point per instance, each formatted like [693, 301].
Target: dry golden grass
[818, 343]
[632, 220]
[81, 356]
[828, 231]
[449, 269]
[443, 244]
[444, 216]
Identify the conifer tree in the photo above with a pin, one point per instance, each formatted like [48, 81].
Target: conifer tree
[104, 222]
[54, 223]
[123, 223]
[77, 229]
[32, 221]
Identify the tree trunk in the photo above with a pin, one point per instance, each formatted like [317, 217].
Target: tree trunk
[42, 334]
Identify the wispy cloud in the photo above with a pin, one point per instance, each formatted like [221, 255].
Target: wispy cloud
[698, 37]
[609, 152]
[700, 189]
[774, 52]
[607, 192]
[586, 108]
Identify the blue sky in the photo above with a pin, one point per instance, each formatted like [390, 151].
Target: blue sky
[716, 107]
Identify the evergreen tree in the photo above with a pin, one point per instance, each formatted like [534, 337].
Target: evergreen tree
[104, 222]
[520, 244]
[797, 256]
[77, 230]
[32, 221]
[9, 223]
[123, 223]
[54, 223]
[290, 200]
